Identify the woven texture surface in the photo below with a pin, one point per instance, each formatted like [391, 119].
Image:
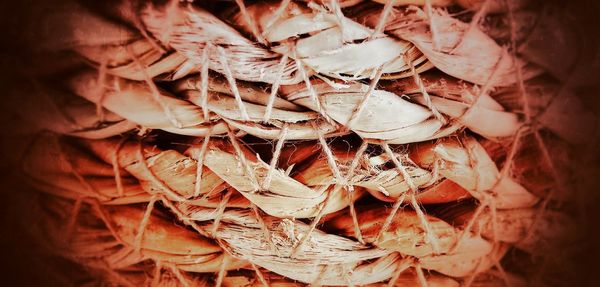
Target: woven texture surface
[293, 143]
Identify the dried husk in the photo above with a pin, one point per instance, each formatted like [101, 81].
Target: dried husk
[120, 94]
[189, 30]
[463, 52]
[328, 49]
[482, 176]
[95, 245]
[64, 113]
[525, 228]
[285, 197]
[174, 170]
[405, 234]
